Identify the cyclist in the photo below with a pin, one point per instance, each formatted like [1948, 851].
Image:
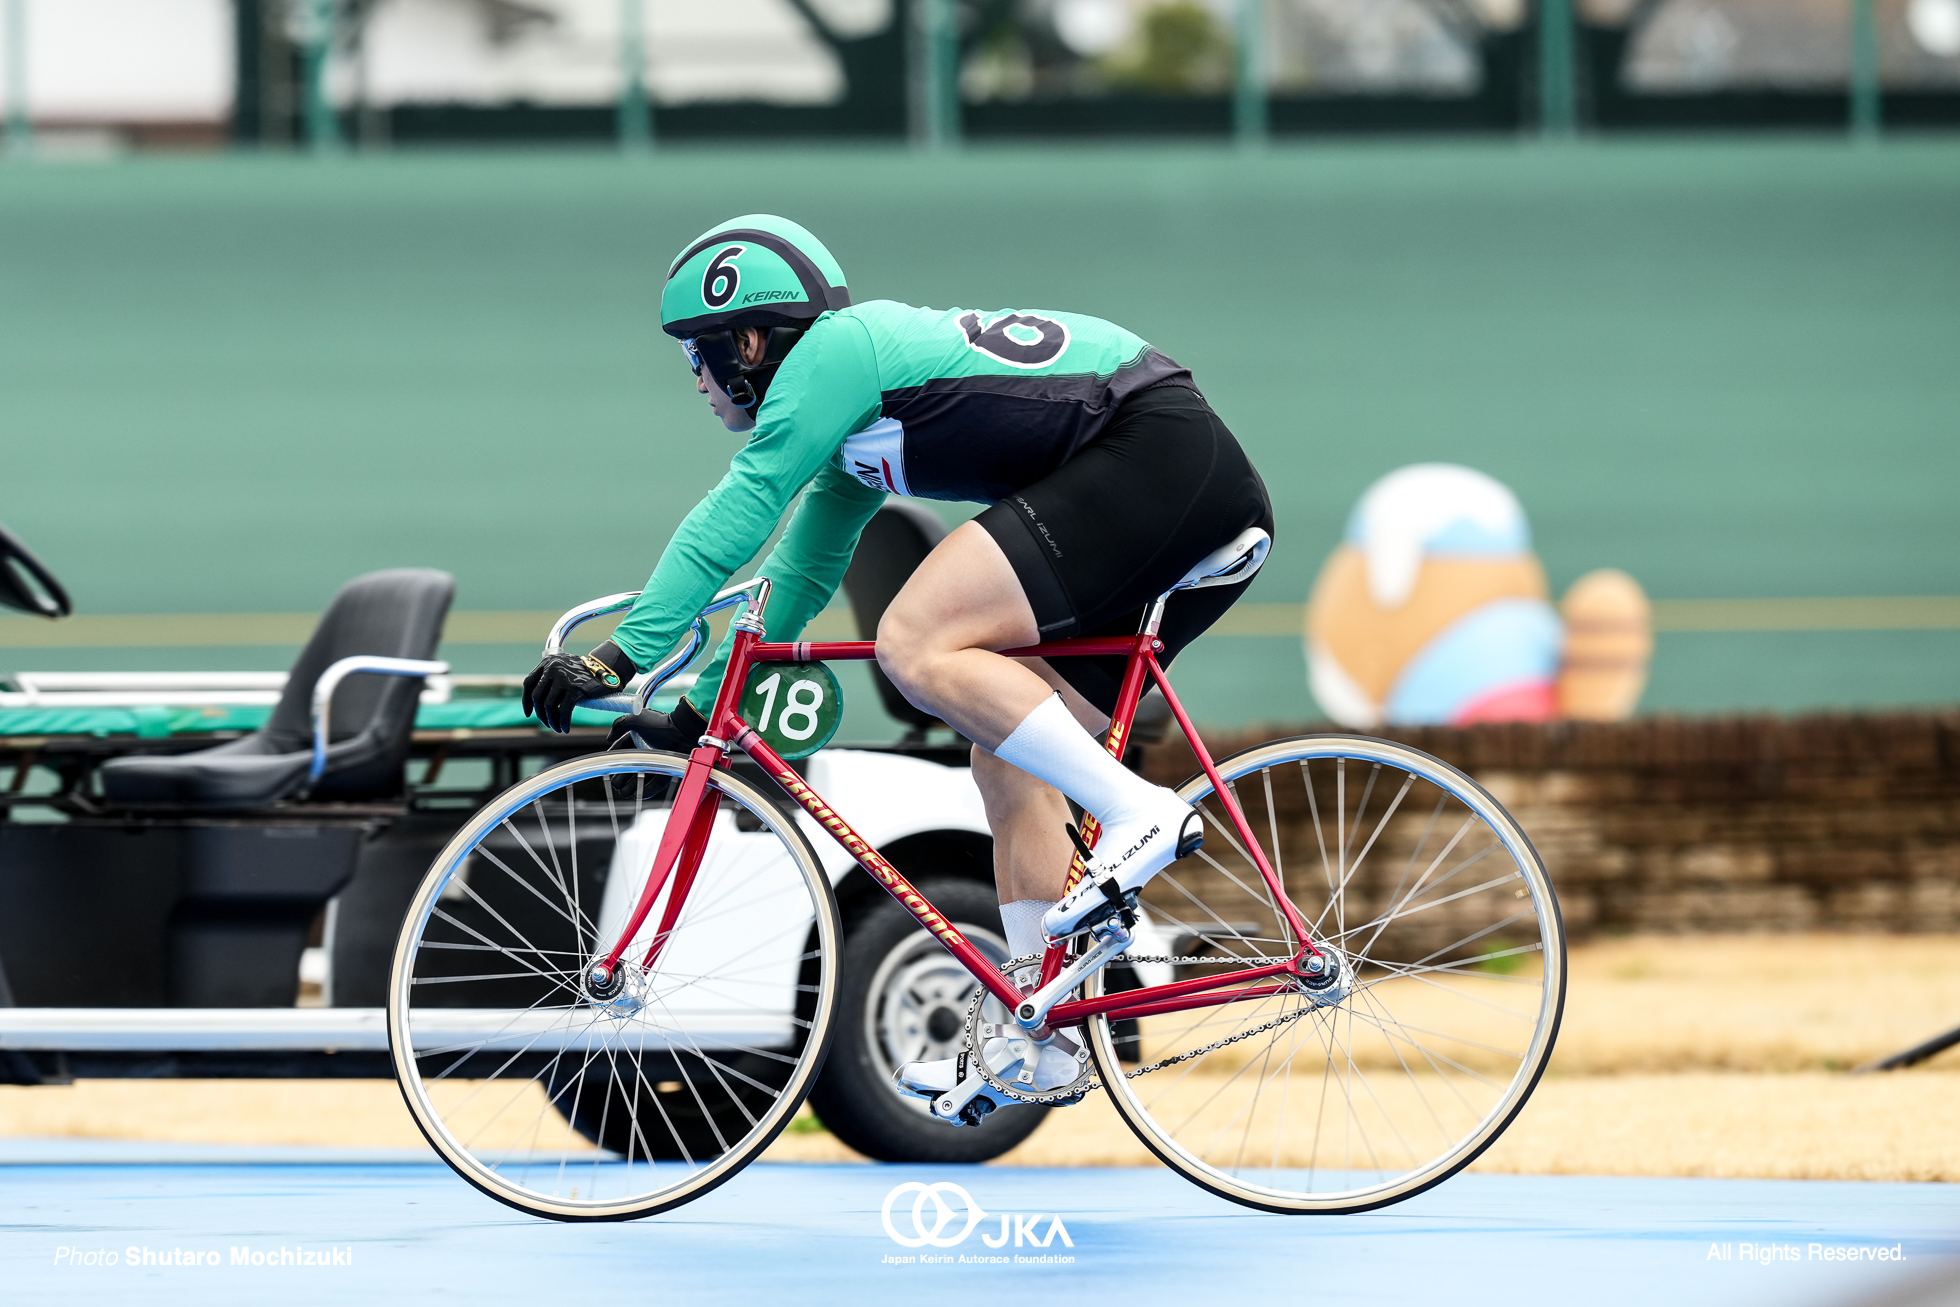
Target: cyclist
[1106, 475]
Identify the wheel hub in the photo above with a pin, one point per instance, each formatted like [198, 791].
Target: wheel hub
[619, 990]
[1327, 979]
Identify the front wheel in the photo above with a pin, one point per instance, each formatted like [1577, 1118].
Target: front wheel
[581, 1106]
[1436, 1027]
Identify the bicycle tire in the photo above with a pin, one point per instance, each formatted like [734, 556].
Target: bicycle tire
[1220, 880]
[740, 1062]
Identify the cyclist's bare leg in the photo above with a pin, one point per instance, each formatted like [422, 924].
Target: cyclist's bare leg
[1033, 742]
[939, 643]
[936, 640]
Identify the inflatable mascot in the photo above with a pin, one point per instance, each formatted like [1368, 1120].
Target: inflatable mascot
[1434, 610]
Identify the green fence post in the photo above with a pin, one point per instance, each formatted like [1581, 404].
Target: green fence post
[20, 127]
[936, 106]
[918, 73]
[946, 60]
[1555, 65]
[322, 127]
[635, 109]
[1865, 111]
[1249, 121]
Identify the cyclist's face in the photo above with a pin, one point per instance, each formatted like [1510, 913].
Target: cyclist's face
[732, 415]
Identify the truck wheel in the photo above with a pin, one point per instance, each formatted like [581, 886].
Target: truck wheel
[903, 999]
[616, 1106]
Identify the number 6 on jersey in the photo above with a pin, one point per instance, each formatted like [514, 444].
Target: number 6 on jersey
[796, 707]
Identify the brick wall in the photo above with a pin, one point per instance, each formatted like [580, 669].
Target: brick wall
[1718, 824]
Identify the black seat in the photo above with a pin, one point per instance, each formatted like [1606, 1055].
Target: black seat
[895, 541]
[396, 614]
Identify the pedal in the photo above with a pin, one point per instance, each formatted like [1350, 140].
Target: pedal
[1124, 907]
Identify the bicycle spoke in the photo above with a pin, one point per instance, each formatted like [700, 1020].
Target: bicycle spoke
[1263, 893]
[1434, 1025]
[550, 873]
[558, 1100]
[1380, 825]
[1272, 826]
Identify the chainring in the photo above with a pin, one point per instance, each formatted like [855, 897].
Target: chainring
[976, 1041]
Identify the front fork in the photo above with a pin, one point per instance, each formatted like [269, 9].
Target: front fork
[695, 803]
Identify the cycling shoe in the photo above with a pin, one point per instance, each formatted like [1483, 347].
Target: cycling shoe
[1138, 849]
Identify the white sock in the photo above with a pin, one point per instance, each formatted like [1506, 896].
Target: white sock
[1020, 921]
[1051, 745]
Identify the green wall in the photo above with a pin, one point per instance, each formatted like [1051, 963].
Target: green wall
[1732, 369]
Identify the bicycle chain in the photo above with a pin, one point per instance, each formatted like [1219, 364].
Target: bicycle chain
[1077, 1090]
[1201, 962]
[1274, 1024]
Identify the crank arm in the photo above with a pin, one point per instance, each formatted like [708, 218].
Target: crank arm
[1111, 937]
[951, 1105]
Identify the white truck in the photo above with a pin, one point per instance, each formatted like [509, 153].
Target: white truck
[173, 937]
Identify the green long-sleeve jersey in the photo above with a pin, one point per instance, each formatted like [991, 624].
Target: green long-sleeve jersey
[883, 398]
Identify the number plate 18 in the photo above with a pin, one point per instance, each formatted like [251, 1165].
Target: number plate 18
[794, 707]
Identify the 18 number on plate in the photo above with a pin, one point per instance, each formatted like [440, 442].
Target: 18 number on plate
[794, 707]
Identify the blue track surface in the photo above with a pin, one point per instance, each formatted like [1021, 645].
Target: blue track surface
[813, 1234]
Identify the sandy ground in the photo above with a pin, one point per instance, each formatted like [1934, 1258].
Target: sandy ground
[1756, 1002]
[1712, 1056]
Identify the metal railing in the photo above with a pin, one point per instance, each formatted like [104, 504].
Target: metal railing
[359, 664]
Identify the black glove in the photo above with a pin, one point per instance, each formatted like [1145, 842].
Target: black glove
[677, 731]
[560, 681]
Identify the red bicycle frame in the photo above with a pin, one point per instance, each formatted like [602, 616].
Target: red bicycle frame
[688, 825]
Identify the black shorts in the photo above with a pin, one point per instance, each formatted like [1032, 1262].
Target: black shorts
[1097, 539]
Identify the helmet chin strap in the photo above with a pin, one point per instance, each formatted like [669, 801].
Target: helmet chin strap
[745, 384]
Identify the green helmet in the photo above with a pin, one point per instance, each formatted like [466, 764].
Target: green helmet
[754, 271]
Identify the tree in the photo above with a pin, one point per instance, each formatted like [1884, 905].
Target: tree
[874, 67]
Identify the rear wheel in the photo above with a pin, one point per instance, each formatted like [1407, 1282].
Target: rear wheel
[904, 998]
[579, 1106]
[1434, 1031]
